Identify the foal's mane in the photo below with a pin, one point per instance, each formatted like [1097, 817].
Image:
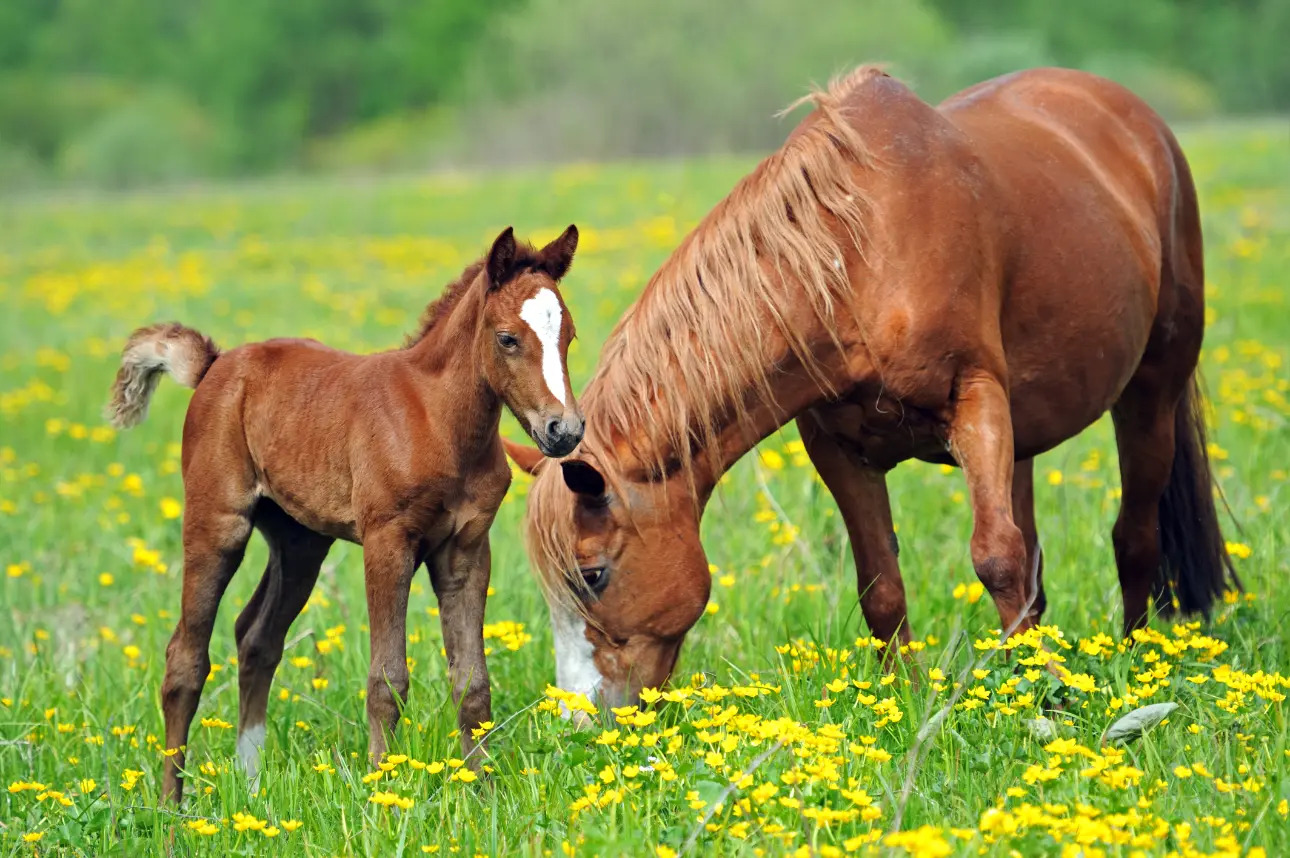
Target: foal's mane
[679, 365]
[526, 256]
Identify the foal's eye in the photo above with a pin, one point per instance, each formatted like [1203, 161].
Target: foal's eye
[508, 342]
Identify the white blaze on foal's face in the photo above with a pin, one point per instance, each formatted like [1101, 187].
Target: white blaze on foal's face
[544, 315]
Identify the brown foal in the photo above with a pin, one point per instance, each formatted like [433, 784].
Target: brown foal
[397, 451]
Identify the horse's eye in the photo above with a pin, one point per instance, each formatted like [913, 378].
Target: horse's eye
[595, 578]
[506, 341]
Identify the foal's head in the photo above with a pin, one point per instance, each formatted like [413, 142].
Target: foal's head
[523, 342]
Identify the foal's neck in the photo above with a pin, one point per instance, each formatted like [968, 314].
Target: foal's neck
[447, 356]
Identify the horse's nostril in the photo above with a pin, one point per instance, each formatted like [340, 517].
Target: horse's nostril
[552, 427]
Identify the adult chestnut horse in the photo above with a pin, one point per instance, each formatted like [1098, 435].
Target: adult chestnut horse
[970, 284]
[398, 451]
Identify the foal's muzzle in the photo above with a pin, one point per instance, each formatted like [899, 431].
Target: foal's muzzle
[558, 436]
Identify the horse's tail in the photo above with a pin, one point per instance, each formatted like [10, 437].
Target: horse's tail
[168, 347]
[1195, 566]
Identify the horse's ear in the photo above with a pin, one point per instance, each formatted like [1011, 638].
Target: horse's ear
[557, 256]
[583, 479]
[501, 258]
[529, 459]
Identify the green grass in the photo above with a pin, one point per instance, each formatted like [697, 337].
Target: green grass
[91, 589]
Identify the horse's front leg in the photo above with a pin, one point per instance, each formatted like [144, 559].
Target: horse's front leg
[981, 441]
[388, 563]
[861, 495]
[460, 580]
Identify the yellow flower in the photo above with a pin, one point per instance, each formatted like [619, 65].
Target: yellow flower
[665, 852]
[1054, 478]
[33, 836]
[772, 460]
[105, 579]
[171, 508]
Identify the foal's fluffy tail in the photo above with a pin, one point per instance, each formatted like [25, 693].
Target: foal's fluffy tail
[1196, 567]
[169, 347]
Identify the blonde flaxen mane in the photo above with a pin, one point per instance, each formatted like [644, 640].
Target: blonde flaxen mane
[678, 367]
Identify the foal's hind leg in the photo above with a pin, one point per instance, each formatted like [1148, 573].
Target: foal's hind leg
[1023, 511]
[217, 524]
[295, 556]
[981, 442]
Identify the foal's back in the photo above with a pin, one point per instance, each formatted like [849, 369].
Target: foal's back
[317, 423]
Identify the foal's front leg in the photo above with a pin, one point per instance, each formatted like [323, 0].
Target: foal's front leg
[461, 583]
[388, 564]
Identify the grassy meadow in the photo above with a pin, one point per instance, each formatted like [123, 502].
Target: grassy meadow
[780, 734]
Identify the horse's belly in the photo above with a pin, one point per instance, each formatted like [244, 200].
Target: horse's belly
[1067, 371]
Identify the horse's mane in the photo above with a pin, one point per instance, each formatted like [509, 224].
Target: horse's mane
[526, 256]
[679, 365]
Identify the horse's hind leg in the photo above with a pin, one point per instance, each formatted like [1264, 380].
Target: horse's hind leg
[295, 556]
[980, 437]
[1023, 511]
[861, 495]
[217, 524]
[1144, 434]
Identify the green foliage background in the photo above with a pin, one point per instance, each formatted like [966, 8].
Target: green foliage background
[123, 92]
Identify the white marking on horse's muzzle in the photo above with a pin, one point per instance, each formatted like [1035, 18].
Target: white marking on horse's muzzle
[575, 664]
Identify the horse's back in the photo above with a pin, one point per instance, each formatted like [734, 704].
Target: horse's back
[1095, 215]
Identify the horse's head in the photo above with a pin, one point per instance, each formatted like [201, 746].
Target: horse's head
[524, 338]
[623, 572]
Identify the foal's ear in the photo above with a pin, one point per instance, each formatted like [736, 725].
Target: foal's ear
[583, 479]
[557, 256]
[501, 259]
[529, 459]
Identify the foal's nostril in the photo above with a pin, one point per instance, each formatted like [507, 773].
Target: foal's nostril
[553, 427]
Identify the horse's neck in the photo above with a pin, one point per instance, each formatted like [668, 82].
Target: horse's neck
[792, 390]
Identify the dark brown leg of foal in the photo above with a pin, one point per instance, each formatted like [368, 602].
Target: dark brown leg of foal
[981, 441]
[861, 495]
[1023, 510]
[1144, 434]
[388, 564]
[461, 585]
[215, 536]
[295, 556]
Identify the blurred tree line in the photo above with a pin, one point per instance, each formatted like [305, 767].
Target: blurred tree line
[119, 92]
